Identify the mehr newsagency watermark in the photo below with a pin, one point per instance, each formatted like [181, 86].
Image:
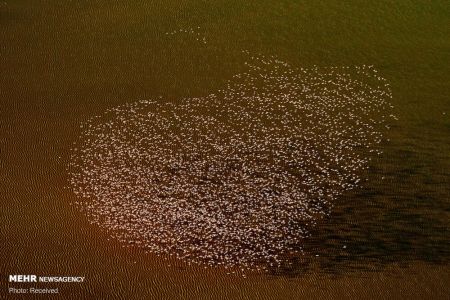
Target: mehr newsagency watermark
[40, 279]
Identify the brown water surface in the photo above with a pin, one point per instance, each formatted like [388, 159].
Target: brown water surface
[62, 62]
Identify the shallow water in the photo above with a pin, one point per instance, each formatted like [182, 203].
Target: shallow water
[63, 63]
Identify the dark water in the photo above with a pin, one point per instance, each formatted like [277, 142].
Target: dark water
[62, 62]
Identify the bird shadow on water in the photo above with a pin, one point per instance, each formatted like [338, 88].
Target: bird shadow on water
[399, 217]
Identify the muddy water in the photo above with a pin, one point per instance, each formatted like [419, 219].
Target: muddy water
[62, 63]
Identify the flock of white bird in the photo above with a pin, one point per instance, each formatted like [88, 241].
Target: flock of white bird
[192, 31]
[235, 178]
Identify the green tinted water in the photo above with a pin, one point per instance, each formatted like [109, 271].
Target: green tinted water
[62, 62]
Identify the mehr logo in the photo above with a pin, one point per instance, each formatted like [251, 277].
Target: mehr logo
[22, 278]
[34, 278]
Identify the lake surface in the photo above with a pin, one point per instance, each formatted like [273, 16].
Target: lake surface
[62, 63]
